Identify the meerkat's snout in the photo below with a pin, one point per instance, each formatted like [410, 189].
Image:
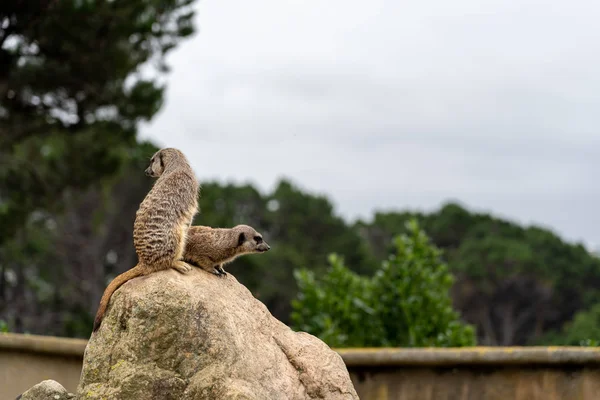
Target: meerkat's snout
[263, 247]
[148, 171]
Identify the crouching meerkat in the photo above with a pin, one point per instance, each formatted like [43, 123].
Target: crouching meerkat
[211, 248]
[161, 222]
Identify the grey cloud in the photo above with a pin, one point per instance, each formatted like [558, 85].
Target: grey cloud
[398, 104]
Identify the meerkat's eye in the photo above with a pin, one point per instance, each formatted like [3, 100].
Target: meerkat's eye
[241, 239]
[257, 239]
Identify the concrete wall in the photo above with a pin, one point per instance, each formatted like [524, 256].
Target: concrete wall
[28, 359]
[510, 373]
[479, 373]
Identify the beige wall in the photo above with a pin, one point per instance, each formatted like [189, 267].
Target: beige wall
[482, 383]
[20, 371]
[479, 373]
[28, 359]
[547, 373]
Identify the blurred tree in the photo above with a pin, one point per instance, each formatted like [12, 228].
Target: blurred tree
[407, 302]
[583, 330]
[72, 93]
[76, 78]
[513, 283]
[59, 263]
[502, 290]
[88, 244]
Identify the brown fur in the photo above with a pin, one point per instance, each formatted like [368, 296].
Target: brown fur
[211, 248]
[161, 222]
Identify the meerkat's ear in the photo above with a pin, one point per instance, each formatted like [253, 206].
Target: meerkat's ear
[241, 239]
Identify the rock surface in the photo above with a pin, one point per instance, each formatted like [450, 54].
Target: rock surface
[200, 336]
[46, 390]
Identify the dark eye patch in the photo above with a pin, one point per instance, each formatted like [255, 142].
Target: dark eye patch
[162, 164]
[257, 239]
[241, 239]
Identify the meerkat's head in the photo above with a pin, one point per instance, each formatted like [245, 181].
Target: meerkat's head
[161, 160]
[250, 241]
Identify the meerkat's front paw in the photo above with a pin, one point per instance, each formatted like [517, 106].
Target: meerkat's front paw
[182, 267]
[219, 271]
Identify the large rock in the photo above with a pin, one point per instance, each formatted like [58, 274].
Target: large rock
[200, 336]
[46, 390]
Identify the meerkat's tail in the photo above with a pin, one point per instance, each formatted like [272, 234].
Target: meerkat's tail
[112, 287]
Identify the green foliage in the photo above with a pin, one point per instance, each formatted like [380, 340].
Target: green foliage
[335, 306]
[412, 289]
[3, 326]
[583, 330]
[406, 302]
[514, 283]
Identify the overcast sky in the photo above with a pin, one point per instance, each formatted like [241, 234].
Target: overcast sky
[395, 104]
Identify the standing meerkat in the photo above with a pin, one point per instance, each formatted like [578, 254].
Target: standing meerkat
[161, 222]
[211, 248]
